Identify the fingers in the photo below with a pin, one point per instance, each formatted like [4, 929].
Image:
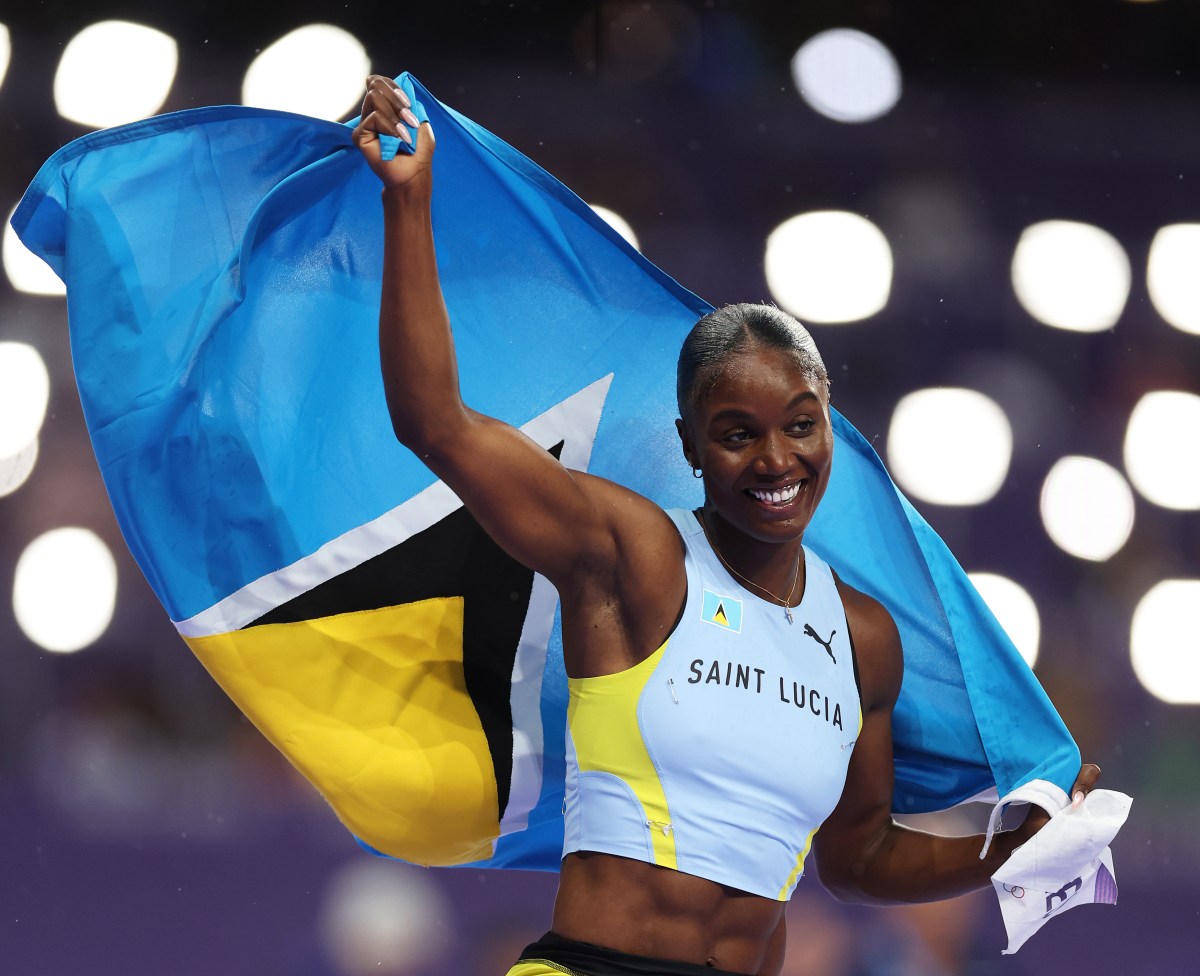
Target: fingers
[424, 147]
[387, 117]
[1089, 773]
[384, 83]
[387, 110]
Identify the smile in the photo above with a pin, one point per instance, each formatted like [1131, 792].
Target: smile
[775, 496]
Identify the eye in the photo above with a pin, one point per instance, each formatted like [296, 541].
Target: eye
[801, 426]
[738, 436]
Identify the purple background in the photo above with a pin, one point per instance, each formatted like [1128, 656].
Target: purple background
[145, 828]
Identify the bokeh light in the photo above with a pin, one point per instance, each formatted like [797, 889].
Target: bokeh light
[1163, 642]
[158, 781]
[829, 266]
[1071, 275]
[382, 916]
[1014, 608]
[26, 271]
[64, 589]
[617, 223]
[24, 394]
[1162, 449]
[316, 70]
[114, 72]
[847, 75]
[1087, 507]
[5, 52]
[949, 446]
[15, 469]
[1171, 275]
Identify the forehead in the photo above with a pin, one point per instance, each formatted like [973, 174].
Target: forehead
[758, 375]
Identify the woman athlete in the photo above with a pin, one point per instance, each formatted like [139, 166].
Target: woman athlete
[696, 888]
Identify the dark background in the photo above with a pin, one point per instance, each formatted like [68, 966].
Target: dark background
[146, 828]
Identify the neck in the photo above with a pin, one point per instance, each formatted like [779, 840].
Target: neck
[777, 567]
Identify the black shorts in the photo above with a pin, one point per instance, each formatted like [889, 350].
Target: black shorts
[583, 959]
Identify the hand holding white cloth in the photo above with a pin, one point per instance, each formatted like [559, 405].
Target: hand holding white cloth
[1066, 863]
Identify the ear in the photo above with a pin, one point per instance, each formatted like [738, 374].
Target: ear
[685, 440]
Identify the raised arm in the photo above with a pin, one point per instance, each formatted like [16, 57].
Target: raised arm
[862, 854]
[578, 531]
[532, 506]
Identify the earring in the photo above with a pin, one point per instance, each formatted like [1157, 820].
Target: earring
[696, 472]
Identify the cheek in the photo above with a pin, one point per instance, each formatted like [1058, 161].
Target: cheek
[815, 443]
[820, 453]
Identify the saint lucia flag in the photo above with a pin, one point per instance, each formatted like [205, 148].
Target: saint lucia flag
[223, 279]
[724, 611]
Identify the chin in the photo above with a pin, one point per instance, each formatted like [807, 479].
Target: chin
[766, 524]
[791, 518]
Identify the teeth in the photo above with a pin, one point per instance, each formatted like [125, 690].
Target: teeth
[778, 496]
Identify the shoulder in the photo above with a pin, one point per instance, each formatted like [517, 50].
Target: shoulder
[876, 646]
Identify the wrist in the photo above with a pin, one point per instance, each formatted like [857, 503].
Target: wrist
[1005, 842]
[413, 193]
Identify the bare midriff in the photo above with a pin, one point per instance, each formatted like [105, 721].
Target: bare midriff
[639, 908]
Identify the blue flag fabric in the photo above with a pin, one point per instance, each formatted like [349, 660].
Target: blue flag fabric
[223, 278]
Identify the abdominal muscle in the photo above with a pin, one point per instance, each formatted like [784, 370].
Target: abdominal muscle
[646, 910]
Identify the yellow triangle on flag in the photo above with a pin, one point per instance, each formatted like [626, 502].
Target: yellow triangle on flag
[719, 616]
[373, 708]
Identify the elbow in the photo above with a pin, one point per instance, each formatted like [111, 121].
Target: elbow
[421, 439]
[428, 433]
[409, 431]
[423, 419]
[852, 875]
[836, 876]
[844, 885]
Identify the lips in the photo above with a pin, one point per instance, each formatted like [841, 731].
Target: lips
[776, 497]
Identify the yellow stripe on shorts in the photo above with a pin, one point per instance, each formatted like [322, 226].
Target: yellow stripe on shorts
[540, 968]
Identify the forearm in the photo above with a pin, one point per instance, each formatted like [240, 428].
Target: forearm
[420, 370]
[907, 865]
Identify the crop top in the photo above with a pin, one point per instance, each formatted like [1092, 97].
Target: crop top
[720, 754]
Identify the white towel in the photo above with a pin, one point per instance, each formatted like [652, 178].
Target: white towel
[1066, 863]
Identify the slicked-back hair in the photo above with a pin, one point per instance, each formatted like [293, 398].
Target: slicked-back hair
[724, 332]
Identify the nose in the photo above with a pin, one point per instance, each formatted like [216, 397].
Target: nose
[775, 457]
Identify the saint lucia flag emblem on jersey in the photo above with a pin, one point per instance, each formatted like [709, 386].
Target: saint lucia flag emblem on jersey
[724, 611]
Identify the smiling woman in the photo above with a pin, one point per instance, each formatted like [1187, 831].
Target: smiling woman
[680, 810]
[679, 856]
[753, 397]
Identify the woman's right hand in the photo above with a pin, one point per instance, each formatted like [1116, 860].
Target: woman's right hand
[385, 110]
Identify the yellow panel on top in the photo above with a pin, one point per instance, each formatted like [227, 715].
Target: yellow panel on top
[372, 707]
[602, 717]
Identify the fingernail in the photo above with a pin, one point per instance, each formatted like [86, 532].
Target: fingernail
[1077, 799]
[403, 134]
[403, 98]
[408, 117]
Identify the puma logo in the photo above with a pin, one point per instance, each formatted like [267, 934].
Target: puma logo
[827, 644]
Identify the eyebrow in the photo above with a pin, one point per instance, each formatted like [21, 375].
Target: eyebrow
[732, 412]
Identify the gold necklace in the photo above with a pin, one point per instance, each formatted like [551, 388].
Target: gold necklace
[786, 604]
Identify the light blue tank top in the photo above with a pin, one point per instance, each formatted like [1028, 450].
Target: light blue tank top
[720, 754]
